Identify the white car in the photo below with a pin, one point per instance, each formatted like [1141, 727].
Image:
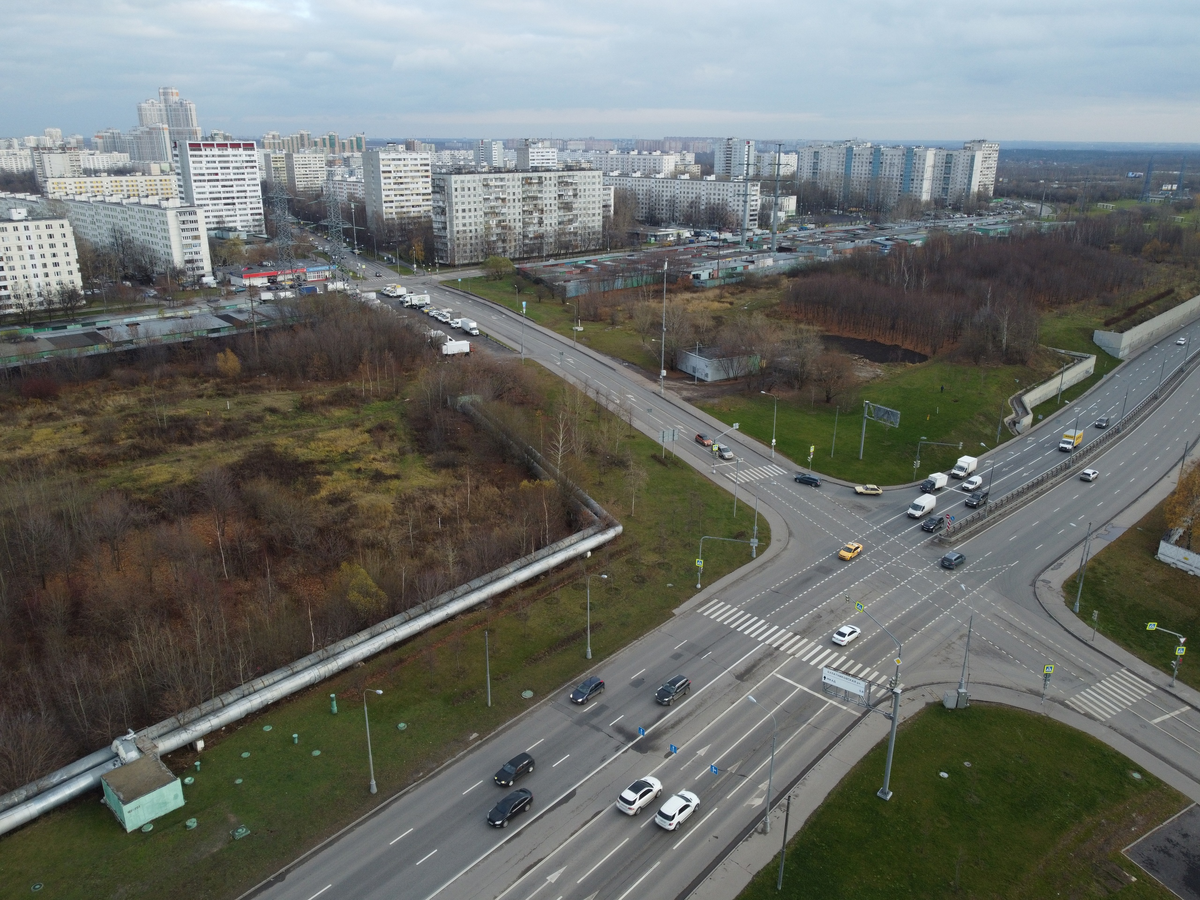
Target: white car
[846, 634]
[639, 795]
[1089, 475]
[973, 483]
[677, 810]
[1181, 342]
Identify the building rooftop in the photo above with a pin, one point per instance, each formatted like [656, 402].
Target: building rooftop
[135, 780]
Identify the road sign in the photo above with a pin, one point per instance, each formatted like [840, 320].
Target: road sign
[713, 769]
[1095, 615]
[522, 307]
[674, 749]
[641, 731]
[668, 435]
[842, 681]
[699, 564]
[858, 606]
[882, 414]
[1048, 669]
[897, 660]
[812, 448]
[1180, 650]
[1150, 626]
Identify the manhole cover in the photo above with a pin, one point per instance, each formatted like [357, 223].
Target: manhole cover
[266, 728]
[316, 753]
[147, 828]
[402, 726]
[189, 824]
[189, 780]
[237, 781]
[526, 694]
[246, 755]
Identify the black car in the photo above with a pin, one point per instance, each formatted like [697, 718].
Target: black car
[808, 478]
[928, 486]
[977, 499]
[517, 802]
[1102, 422]
[521, 764]
[953, 560]
[586, 691]
[933, 523]
[677, 687]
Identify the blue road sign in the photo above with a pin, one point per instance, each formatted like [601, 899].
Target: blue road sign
[674, 749]
[713, 769]
[641, 731]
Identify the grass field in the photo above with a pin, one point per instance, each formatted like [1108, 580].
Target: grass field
[1129, 588]
[1031, 809]
[291, 799]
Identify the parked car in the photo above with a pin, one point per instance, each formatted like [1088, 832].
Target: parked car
[639, 795]
[953, 560]
[677, 687]
[517, 802]
[808, 478]
[591, 687]
[1102, 422]
[1089, 475]
[704, 440]
[724, 452]
[868, 490]
[519, 765]
[850, 551]
[933, 523]
[846, 634]
[677, 810]
[974, 483]
[977, 499]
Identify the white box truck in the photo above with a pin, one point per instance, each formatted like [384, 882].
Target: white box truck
[964, 467]
[452, 348]
[470, 326]
[935, 482]
[922, 506]
[1070, 441]
[416, 301]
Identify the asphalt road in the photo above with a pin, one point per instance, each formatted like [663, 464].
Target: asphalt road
[767, 635]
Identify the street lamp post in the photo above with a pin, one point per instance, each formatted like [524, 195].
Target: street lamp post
[662, 350]
[367, 720]
[774, 420]
[771, 770]
[885, 792]
[1082, 567]
[587, 580]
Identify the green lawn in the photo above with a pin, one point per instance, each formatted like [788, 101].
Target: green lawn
[290, 799]
[1129, 588]
[1031, 809]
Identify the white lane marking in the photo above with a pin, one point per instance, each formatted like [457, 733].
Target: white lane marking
[707, 655]
[676, 647]
[426, 856]
[1163, 718]
[639, 881]
[320, 892]
[766, 634]
[616, 720]
[694, 829]
[472, 787]
[636, 674]
[604, 860]
[530, 748]
[708, 606]
[556, 764]
[406, 834]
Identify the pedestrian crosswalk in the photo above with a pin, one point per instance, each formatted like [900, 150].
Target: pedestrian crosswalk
[758, 473]
[811, 652]
[1109, 696]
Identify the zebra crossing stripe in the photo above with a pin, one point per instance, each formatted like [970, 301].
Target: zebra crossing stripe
[817, 660]
[815, 648]
[710, 605]
[748, 623]
[766, 634]
[784, 635]
[757, 630]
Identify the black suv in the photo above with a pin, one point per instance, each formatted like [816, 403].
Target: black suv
[586, 691]
[677, 687]
[517, 802]
[807, 478]
[933, 523]
[978, 499]
[521, 764]
[953, 560]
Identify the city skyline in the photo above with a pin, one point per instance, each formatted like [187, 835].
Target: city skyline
[934, 72]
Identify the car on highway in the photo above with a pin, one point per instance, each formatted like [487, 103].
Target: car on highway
[723, 451]
[808, 478]
[378, 274]
[1089, 475]
[846, 634]
[518, 766]
[704, 440]
[851, 550]
[513, 804]
[639, 795]
[933, 523]
[953, 560]
[973, 483]
[1181, 342]
[1102, 422]
[677, 810]
[977, 499]
[591, 687]
[868, 490]
[677, 687]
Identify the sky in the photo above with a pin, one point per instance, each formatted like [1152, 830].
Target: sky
[1030, 70]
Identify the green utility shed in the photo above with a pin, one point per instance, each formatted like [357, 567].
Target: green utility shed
[141, 791]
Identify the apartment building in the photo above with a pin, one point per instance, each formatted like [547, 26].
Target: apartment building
[272, 166]
[221, 177]
[95, 161]
[305, 171]
[15, 160]
[629, 162]
[689, 201]
[174, 234]
[38, 259]
[534, 156]
[397, 183]
[490, 154]
[765, 164]
[56, 164]
[345, 185]
[124, 186]
[734, 157]
[178, 115]
[516, 214]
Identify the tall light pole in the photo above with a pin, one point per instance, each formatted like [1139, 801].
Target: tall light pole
[1082, 567]
[662, 349]
[774, 420]
[885, 792]
[522, 329]
[487, 666]
[771, 770]
[587, 580]
[367, 720]
[575, 329]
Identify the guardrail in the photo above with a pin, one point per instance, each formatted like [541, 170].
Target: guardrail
[1048, 479]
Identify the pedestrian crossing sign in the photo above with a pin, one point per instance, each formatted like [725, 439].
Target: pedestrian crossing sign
[1150, 626]
[699, 564]
[858, 606]
[1048, 669]
[1180, 650]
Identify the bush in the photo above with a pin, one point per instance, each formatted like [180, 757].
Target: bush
[39, 387]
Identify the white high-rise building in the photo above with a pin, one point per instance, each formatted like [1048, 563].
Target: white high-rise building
[56, 164]
[134, 185]
[397, 184]
[689, 201]
[92, 161]
[765, 164]
[490, 154]
[221, 177]
[15, 159]
[536, 156]
[38, 259]
[516, 214]
[272, 166]
[628, 162]
[305, 171]
[178, 115]
[732, 156]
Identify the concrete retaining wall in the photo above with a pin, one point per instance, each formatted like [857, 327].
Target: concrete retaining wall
[1023, 402]
[1121, 345]
[1188, 560]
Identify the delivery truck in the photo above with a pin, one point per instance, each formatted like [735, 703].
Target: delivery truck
[964, 467]
[1070, 440]
[453, 348]
[922, 506]
[935, 482]
[470, 326]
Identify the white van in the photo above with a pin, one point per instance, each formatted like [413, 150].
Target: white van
[922, 506]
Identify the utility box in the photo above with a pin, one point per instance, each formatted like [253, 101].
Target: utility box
[141, 791]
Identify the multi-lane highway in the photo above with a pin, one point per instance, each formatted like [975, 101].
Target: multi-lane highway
[767, 634]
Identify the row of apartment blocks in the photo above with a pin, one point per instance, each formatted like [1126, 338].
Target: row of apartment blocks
[38, 260]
